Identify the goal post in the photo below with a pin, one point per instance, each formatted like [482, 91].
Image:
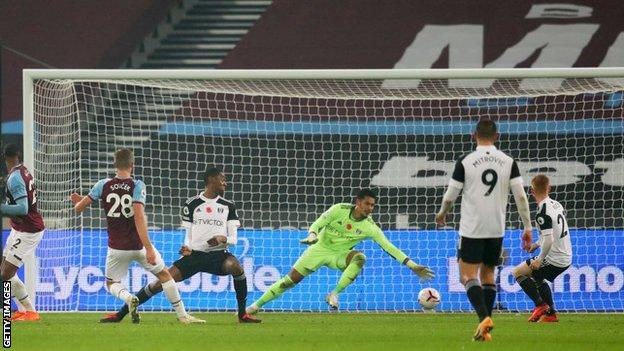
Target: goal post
[293, 142]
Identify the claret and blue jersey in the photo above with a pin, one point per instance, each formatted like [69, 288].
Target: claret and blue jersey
[21, 191]
[117, 196]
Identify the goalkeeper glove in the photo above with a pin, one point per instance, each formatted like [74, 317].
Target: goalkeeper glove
[422, 271]
[311, 239]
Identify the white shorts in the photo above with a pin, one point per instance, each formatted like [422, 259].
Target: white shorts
[20, 245]
[118, 262]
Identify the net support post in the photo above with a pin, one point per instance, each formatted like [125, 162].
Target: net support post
[31, 271]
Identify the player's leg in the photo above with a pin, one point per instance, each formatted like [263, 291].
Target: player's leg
[523, 275]
[488, 283]
[117, 263]
[351, 267]
[18, 290]
[18, 246]
[167, 284]
[491, 257]
[276, 290]
[546, 295]
[548, 273]
[470, 256]
[20, 307]
[313, 258]
[145, 294]
[232, 267]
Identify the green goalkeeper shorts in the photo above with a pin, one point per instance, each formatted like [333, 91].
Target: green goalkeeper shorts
[316, 256]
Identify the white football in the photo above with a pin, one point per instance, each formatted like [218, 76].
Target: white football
[429, 298]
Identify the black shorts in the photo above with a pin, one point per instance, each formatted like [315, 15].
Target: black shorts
[486, 251]
[199, 261]
[546, 271]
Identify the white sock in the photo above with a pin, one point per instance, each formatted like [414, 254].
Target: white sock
[173, 295]
[120, 291]
[19, 305]
[18, 289]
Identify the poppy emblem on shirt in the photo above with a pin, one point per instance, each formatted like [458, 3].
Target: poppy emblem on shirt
[349, 226]
[208, 209]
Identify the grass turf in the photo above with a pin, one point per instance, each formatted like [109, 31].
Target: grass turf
[318, 331]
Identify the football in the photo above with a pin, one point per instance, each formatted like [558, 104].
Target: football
[429, 298]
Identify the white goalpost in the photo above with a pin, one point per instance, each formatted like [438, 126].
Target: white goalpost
[294, 142]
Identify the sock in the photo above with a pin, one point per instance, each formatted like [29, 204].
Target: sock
[546, 295]
[528, 286]
[350, 273]
[18, 289]
[173, 295]
[120, 291]
[19, 305]
[240, 286]
[144, 294]
[475, 295]
[275, 291]
[489, 294]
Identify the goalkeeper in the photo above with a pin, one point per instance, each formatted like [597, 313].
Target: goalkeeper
[332, 238]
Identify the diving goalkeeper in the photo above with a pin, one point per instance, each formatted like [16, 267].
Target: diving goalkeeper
[332, 238]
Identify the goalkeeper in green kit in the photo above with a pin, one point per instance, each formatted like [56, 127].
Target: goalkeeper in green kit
[332, 238]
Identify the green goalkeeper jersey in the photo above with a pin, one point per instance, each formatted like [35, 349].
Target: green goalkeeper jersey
[338, 231]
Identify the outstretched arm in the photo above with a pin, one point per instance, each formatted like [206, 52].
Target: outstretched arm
[422, 271]
[80, 202]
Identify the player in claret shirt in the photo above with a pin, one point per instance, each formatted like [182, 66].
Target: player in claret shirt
[26, 230]
[123, 199]
[332, 238]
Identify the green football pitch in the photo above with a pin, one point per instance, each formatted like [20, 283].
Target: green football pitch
[318, 331]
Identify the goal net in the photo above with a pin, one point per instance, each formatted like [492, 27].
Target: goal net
[291, 148]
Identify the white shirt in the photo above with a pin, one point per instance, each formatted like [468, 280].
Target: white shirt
[485, 175]
[206, 218]
[551, 220]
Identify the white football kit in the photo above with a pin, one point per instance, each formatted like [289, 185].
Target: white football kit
[485, 176]
[206, 218]
[551, 220]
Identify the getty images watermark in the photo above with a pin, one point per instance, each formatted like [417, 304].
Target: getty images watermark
[6, 314]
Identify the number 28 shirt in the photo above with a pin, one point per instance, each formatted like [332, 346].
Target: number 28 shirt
[118, 195]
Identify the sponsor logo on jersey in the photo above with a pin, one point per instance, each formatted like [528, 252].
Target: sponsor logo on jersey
[220, 209]
[208, 221]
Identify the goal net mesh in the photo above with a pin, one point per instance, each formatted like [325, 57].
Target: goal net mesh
[292, 148]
